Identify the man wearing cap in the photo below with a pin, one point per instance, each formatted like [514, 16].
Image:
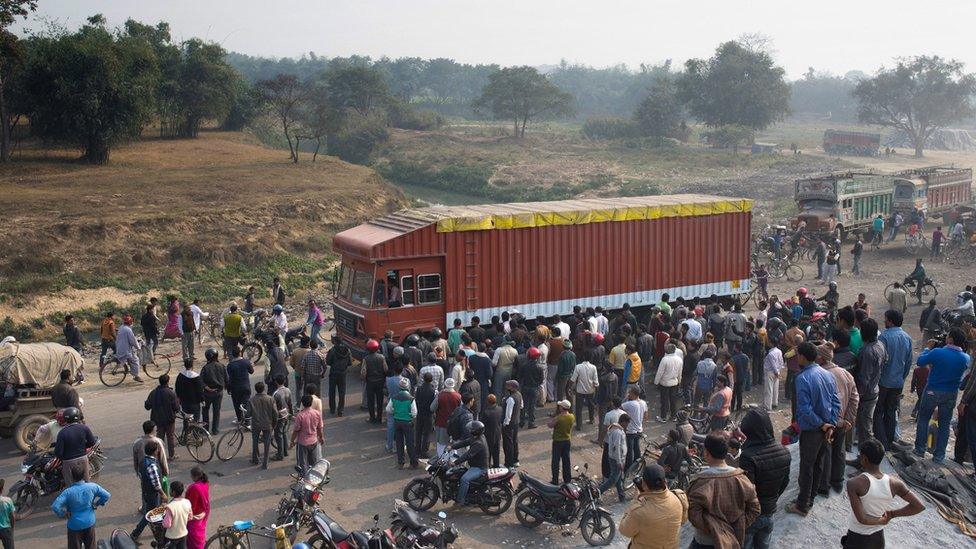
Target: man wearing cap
[562, 430]
[126, 346]
[442, 407]
[565, 367]
[530, 378]
[403, 409]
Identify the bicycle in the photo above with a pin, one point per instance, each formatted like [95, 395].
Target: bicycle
[926, 290]
[238, 536]
[196, 438]
[917, 242]
[113, 372]
[779, 268]
[229, 444]
[691, 466]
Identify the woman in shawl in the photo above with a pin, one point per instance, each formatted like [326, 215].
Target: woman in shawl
[173, 330]
[198, 493]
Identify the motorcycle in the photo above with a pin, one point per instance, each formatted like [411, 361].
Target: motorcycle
[120, 539]
[410, 532]
[327, 534]
[492, 492]
[43, 476]
[579, 499]
[304, 494]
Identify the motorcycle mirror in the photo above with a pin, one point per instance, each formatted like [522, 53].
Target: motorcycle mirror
[442, 515]
[586, 466]
[376, 518]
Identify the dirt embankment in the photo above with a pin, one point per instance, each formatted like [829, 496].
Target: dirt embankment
[165, 211]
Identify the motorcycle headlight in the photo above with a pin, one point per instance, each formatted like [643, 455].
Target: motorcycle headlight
[24, 468]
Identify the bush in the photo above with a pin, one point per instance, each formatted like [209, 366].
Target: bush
[610, 128]
[358, 140]
[406, 117]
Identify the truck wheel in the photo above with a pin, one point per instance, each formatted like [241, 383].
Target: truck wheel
[26, 429]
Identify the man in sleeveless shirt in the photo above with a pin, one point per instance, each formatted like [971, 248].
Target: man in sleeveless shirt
[872, 494]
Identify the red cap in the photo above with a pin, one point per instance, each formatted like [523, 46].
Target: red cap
[534, 353]
[372, 346]
[598, 337]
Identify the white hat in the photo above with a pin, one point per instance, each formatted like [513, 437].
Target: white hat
[405, 383]
[449, 383]
[564, 404]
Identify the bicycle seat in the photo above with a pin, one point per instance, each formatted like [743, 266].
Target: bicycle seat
[242, 525]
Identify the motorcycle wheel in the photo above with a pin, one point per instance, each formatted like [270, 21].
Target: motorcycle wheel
[253, 352]
[527, 500]
[95, 463]
[421, 494]
[597, 527]
[318, 542]
[225, 540]
[495, 500]
[24, 501]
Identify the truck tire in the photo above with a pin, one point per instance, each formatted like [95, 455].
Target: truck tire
[25, 430]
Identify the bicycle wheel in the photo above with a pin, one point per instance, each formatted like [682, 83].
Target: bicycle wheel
[929, 291]
[636, 468]
[225, 540]
[776, 269]
[112, 373]
[229, 444]
[160, 365]
[794, 273]
[887, 291]
[199, 443]
[253, 352]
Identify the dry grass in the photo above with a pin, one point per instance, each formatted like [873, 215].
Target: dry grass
[163, 208]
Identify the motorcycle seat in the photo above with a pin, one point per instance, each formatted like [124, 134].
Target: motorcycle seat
[411, 518]
[122, 540]
[323, 520]
[338, 532]
[542, 486]
[496, 472]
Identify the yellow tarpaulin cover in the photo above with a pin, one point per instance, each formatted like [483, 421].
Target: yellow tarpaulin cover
[39, 364]
[580, 212]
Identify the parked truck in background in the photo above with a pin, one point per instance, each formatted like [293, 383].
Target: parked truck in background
[847, 143]
[418, 269]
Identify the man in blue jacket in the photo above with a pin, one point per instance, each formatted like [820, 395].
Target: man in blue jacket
[898, 345]
[948, 364]
[817, 412]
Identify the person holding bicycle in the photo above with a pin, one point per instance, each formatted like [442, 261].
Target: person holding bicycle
[126, 346]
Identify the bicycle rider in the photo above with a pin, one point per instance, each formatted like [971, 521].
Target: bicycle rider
[127, 347]
[719, 404]
[918, 276]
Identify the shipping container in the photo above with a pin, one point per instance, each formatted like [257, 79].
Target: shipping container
[416, 269]
[851, 143]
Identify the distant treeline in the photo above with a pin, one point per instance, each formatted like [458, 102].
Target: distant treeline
[450, 87]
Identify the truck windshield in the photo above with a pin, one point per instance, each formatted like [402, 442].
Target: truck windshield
[816, 204]
[356, 286]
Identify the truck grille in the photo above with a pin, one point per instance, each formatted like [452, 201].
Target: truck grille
[345, 321]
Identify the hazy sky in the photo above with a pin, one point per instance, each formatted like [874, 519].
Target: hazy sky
[827, 34]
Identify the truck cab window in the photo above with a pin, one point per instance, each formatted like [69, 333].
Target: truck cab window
[428, 289]
[406, 290]
[394, 297]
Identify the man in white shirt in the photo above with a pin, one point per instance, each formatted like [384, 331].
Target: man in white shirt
[563, 327]
[197, 314]
[772, 365]
[280, 322]
[586, 381]
[667, 379]
[636, 408]
[602, 324]
[694, 329]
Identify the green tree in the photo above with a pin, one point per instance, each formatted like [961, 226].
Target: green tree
[11, 58]
[245, 105]
[736, 86]
[918, 96]
[90, 89]
[660, 114]
[206, 85]
[521, 94]
[357, 88]
[285, 97]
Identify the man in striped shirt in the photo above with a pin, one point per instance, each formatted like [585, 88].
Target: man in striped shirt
[313, 367]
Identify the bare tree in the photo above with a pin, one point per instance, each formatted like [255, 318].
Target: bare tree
[757, 42]
[285, 96]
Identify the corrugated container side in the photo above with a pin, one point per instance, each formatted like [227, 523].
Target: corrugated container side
[559, 266]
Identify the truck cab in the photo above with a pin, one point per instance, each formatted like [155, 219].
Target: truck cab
[909, 196]
[405, 296]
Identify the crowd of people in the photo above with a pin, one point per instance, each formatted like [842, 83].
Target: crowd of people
[479, 387]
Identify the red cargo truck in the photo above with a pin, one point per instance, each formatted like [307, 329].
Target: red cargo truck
[416, 269]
